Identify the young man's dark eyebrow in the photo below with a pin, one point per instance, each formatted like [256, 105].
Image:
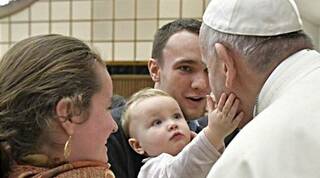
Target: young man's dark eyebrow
[186, 61]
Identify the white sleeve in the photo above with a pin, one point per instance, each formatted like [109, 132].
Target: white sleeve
[194, 161]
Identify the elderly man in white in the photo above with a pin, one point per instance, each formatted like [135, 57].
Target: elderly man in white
[257, 50]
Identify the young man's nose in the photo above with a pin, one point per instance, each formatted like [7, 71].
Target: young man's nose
[200, 82]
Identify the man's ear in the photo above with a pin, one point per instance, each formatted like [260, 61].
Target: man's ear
[154, 69]
[64, 114]
[228, 61]
[135, 145]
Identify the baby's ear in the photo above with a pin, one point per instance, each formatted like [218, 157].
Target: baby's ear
[135, 145]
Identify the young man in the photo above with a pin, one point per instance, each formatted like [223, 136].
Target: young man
[176, 66]
[258, 51]
[177, 69]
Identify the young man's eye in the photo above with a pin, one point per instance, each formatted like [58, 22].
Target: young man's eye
[156, 122]
[185, 68]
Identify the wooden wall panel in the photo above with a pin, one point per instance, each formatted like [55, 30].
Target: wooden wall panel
[126, 85]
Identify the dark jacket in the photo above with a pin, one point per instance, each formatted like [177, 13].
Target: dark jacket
[125, 162]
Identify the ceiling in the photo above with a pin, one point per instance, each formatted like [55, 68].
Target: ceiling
[309, 10]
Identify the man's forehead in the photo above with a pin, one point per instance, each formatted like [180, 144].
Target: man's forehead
[182, 39]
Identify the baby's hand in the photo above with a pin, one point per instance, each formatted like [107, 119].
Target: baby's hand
[222, 119]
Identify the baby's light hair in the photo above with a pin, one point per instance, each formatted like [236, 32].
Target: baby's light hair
[137, 97]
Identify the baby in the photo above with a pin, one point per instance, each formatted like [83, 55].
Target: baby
[156, 127]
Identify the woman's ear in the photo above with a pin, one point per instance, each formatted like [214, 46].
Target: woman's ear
[135, 145]
[228, 61]
[64, 113]
[154, 69]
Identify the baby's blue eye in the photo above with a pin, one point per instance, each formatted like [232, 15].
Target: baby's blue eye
[156, 122]
[177, 116]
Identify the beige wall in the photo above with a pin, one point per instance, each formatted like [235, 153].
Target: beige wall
[120, 30]
[313, 31]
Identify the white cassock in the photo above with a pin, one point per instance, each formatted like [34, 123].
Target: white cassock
[283, 140]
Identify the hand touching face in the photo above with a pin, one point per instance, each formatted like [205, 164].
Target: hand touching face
[223, 118]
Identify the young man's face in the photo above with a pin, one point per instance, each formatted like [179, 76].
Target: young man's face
[183, 75]
[158, 126]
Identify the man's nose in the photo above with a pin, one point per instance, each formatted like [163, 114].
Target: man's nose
[200, 81]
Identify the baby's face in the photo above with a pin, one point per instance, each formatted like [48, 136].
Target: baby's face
[159, 126]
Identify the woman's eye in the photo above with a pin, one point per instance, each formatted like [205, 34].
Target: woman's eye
[109, 108]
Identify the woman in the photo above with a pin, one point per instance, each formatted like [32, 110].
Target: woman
[54, 121]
